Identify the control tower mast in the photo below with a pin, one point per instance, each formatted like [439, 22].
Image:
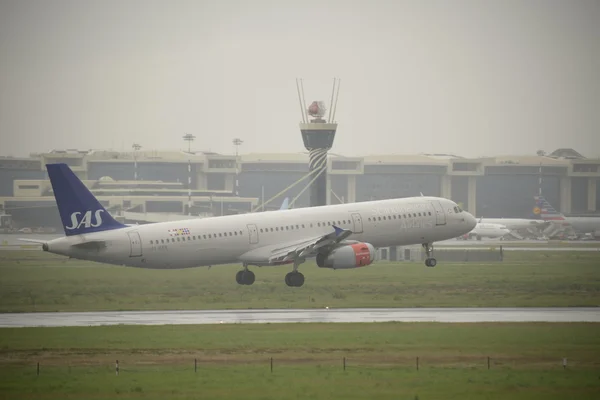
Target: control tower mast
[318, 135]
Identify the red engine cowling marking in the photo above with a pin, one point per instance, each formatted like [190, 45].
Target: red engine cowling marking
[362, 254]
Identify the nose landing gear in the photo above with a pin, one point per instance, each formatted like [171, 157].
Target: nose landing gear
[429, 261]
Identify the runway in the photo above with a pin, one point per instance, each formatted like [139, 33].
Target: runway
[193, 317]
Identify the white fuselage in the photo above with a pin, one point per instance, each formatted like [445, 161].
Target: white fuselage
[515, 223]
[223, 240]
[583, 224]
[486, 230]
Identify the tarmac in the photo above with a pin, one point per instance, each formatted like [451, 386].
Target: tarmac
[193, 317]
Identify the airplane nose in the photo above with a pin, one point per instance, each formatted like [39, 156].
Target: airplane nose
[470, 220]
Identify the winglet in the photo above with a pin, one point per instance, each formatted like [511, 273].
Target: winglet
[338, 230]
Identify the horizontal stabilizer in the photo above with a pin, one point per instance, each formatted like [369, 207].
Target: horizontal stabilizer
[33, 241]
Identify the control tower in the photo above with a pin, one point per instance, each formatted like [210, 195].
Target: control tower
[318, 135]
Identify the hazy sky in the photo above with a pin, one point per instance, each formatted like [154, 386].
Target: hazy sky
[467, 77]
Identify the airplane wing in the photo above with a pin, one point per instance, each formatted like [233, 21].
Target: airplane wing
[288, 252]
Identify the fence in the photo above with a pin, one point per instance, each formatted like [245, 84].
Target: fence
[346, 363]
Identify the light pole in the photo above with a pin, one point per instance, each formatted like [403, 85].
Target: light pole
[136, 147]
[237, 142]
[189, 138]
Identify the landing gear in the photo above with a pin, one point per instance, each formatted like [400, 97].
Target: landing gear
[295, 278]
[245, 276]
[429, 261]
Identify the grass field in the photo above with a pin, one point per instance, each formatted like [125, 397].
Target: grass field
[234, 361]
[38, 281]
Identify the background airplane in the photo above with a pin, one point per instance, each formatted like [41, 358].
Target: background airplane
[580, 225]
[339, 236]
[487, 230]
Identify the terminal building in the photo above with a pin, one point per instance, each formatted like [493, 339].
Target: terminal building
[152, 186]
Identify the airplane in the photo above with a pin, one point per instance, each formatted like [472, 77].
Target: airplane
[487, 230]
[516, 224]
[340, 236]
[582, 225]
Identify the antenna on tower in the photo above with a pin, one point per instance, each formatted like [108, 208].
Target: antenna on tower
[303, 99]
[337, 97]
[331, 103]
[300, 102]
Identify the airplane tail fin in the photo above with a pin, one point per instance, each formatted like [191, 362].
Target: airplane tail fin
[80, 212]
[545, 210]
[285, 204]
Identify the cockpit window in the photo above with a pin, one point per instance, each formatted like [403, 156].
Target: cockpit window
[456, 210]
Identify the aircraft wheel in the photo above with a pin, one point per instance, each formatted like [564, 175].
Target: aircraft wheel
[239, 277]
[248, 277]
[294, 279]
[299, 279]
[431, 262]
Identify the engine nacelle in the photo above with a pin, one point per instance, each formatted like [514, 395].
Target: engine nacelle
[348, 256]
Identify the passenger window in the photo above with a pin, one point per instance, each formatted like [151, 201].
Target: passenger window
[287, 228]
[209, 236]
[151, 242]
[318, 224]
[189, 238]
[297, 226]
[379, 218]
[277, 228]
[311, 225]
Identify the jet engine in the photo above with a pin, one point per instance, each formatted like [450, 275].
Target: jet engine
[347, 256]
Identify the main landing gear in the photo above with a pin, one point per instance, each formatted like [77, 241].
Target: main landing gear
[429, 261]
[294, 278]
[245, 276]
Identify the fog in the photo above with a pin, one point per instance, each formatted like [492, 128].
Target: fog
[472, 78]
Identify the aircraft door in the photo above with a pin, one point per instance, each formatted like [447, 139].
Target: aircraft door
[357, 221]
[253, 233]
[440, 216]
[135, 243]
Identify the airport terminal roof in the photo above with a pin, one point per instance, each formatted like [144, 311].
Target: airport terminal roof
[145, 155]
[528, 160]
[414, 159]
